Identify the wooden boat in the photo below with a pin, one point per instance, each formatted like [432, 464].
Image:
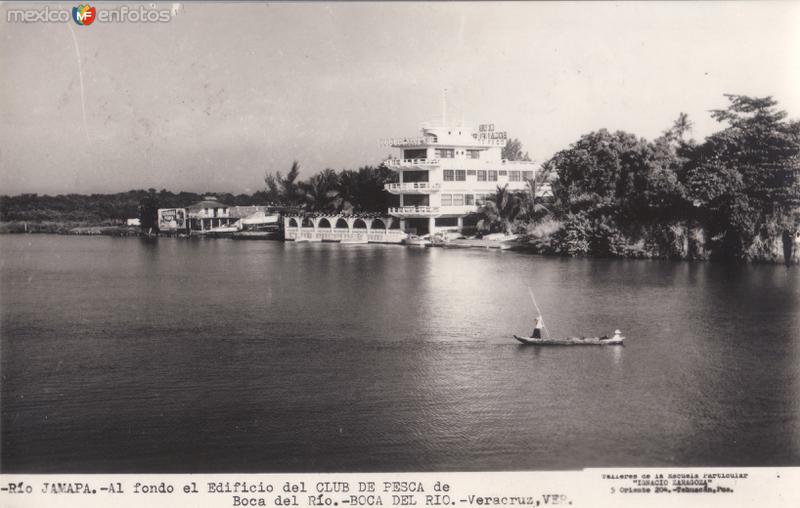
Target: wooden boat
[616, 340]
[416, 241]
[222, 231]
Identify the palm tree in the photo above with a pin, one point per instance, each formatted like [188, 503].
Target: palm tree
[348, 191]
[290, 192]
[679, 128]
[272, 188]
[498, 215]
[532, 211]
[682, 125]
[320, 192]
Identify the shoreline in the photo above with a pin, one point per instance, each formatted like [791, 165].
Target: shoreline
[518, 246]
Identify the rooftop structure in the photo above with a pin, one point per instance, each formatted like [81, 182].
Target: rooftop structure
[447, 172]
[209, 213]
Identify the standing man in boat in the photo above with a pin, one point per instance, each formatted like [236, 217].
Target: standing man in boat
[537, 328]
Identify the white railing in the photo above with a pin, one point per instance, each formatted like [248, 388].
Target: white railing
[378, 235]
[468, 164]
[459, 209]
[203, 214]
[444, 141]
[414, 210]
[412, 186]
[405, 163]
[408, 141]
[520, 163]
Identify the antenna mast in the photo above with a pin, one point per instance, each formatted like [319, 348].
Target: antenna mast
[444, 107]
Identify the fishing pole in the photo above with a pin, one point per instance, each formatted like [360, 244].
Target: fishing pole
[530, 291]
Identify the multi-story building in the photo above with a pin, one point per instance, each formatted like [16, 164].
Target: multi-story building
[446, 173]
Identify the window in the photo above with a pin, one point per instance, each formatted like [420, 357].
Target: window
[513, 176]
[458, 200]
[444, 153]
[419, 153]
[473, 154]
[503, 173]
[492, 176]
[483, 198]
[449, 175]
[527, 175]
[461, 175]
[481, 175]
[470, 172]
[447, 199]
[469, 199]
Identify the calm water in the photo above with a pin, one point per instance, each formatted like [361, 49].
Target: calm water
[126, 355]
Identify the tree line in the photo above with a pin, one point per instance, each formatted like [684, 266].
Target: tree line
[106, 209]
[348, 191]
[734, 195]
[331, 191]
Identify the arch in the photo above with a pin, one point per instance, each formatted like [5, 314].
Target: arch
[378, 224]
[324, 223]
[307, 223]
[394, 223]
[341, 224]
[359, 224]
[293, 223]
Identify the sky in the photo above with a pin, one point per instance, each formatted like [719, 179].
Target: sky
[223, 93]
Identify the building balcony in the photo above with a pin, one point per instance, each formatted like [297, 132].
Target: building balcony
[408, 141]
[488, 165]
[520, 165]
[457, 210]
[412, 164]
[412, 187]
[411, 142]
[204, 214]
[466, 164]
[415, 211]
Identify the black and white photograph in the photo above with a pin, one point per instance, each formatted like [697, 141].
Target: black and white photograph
[366, 237]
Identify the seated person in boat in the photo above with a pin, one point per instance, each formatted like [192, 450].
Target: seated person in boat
[537, 329]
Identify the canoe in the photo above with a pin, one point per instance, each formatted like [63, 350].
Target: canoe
[572, 341]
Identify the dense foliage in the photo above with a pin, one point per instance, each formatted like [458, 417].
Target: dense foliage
[736, 195]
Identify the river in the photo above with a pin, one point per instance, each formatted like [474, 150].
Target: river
[133, 355]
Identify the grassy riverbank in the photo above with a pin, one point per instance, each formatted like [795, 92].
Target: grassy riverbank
[67, 228]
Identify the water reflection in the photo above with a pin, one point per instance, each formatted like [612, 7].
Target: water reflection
[216, 355]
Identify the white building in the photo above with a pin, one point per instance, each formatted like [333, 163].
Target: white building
[447, 172]
[208, 214]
